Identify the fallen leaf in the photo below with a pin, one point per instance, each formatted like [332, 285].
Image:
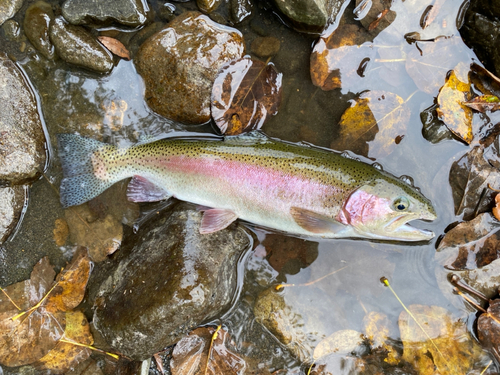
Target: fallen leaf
[35, 316]
[337, 58]
[115, 46]
[427, 63]
[488, 328]
[288, 254]
[65, 355]
[244, 93]
[484, 80]
[456, 116]
[445, 347]
[372, 124]
[376, 327]
[378, 16]
[484, 103]
[341, 342]
[200, 354]
[469, 179]
[472, 244]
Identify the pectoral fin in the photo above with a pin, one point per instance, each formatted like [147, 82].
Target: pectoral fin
[140, 189]
[216, 219]
[315, 222]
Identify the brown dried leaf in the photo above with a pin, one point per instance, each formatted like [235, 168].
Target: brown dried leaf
[30, 320]
[115, 46]
[190, 355]
[337, 57]
[371, 126]
[24, 340]
[472, 244]
[450, 349]
[244, 93]
[484, 103]
[456, 116]
[469, 179]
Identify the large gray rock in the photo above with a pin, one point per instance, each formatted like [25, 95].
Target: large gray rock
[131, 13]
[22, 145]
[8, 8]
[170, 279]
[180, 62]
[11, 206]
[75, 45]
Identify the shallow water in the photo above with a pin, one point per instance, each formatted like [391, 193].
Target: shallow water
[112, 108]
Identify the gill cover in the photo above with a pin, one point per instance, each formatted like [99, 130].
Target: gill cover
[382, 208]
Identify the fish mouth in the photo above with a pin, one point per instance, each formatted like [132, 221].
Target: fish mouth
[399, 229]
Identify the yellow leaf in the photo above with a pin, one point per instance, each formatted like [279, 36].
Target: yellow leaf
[456, 116]
[451, 351]
[372, 125]
[65, 355]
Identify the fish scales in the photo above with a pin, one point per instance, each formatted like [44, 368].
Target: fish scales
[292, 188]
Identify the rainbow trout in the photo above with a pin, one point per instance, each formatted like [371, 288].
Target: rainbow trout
[301, 190]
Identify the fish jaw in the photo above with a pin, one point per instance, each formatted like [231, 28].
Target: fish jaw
[371, 211]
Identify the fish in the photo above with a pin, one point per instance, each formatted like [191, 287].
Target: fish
[297, 189]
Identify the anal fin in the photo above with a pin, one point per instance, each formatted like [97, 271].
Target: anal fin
[315, 222]
[216, 219]
[141, 189]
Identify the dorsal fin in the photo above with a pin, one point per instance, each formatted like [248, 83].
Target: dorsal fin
[255, 136]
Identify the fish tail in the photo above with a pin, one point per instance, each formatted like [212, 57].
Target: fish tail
[80, 183]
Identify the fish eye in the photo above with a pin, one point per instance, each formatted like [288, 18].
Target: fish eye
[401, 204]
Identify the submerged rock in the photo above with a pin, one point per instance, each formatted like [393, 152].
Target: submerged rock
[167, 280]
[179, 64]
[11, 206]
[77, 46]
[36, 27]
[8, 8]
[22, 146]
[132, 13]
[310, 15]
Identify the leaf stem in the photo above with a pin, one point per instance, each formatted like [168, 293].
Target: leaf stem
[10, 299]
[115, 356]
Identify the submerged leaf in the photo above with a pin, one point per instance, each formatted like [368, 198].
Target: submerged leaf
[429, 62]
[456, 116]
[469, 180]
[200, 354]
[370, 126]
[472, 244]
[445, 347]
[33, 313]
[244, 93]
[338, 57]
[65, 355]
[340, 342]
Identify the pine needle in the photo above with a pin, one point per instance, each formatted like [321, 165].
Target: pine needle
[281, 286]
[115, 356]
[10, 299]
[486, 368]
[31, 309]
[214, 337]
[385, 281]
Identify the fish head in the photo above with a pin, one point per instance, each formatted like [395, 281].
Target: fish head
[382, 208]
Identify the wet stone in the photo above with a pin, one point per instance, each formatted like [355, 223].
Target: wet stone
[130, 13]
[8, 8]
[22, 146]
[179, 64]
[77, 46]
[240, 10]
[12, 30]
[36, 27]
[265, 46]
[166, 280]
[11, 206]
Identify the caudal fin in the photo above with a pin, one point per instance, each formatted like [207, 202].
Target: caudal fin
[79, 184]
